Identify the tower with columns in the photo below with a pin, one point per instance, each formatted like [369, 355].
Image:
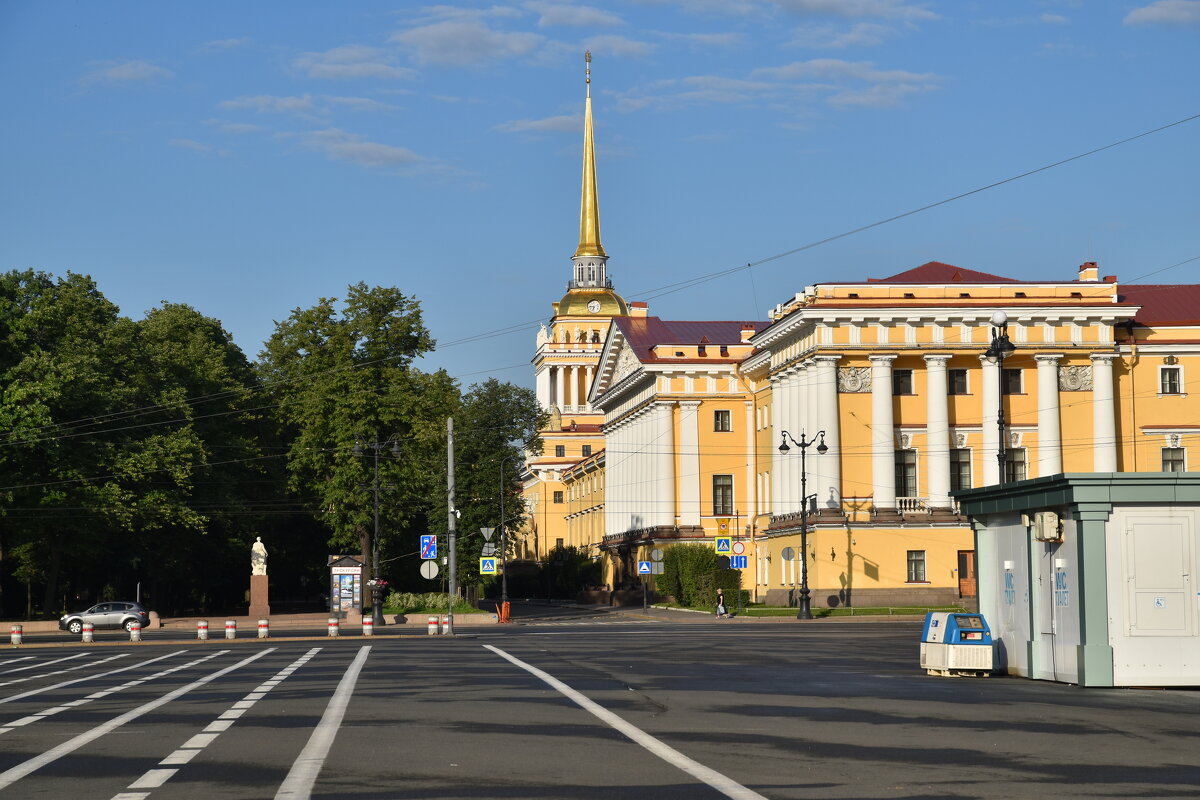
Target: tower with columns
[567, 352]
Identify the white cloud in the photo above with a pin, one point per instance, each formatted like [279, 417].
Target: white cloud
[708, 39]
[1053, 19]
[834, 69]
[264, 103]
[429, 14]
[861, 34]
[859, 9]
[696, 90]
[225, 44]
[358, 103]
[881, 95]
[351, 61]
[466, 42]
[112, 72]
[342, 146]
[234, 127]
[190, 144]
[567, 123]
[619, 46]
[565, 15]
[1166, 12]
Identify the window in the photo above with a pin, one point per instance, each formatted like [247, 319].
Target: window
[902, 381]
[1014, 464]
[558, 497]
[1011, 381]
[723, 495]
[722, 420]
[725, 351]
[560, 450]
[960, 469]
[559, 544]
[1168, 380]
[587, 450]
[906, 473]
[958, 381]
[1173, 459]
[916, 566]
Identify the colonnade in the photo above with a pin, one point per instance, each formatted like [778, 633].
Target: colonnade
[566, 386]
[639, 466]
[805, 397]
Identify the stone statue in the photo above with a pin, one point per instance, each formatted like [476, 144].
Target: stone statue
[258, 558]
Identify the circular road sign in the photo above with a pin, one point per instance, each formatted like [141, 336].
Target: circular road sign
[739, 548]
[656, 555]
[429, 569]
[788, 554]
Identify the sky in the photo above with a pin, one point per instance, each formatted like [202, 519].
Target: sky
[249, 159]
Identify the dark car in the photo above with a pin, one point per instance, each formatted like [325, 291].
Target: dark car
[115, 614]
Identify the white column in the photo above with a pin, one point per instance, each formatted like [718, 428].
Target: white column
[748, 505]
[990, 398]
[1049, 424]
[559, 388]
[826, 470]
[689, 463]
[573, 394]
[796, 424]
[666, 464]
[785, 398]
[883, 433]
[543, 388]
[1104, 414]
[937, 431]
[589, 376]
[777, 429]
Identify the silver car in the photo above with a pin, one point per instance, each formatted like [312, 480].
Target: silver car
[115, 614]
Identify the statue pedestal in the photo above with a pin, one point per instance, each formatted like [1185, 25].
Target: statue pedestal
[259, 607]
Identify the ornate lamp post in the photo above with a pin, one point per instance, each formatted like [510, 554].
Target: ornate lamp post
[375, 582]
[805, 611]
[996, 352]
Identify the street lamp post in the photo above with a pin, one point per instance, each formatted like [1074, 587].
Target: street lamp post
[805, 611]
[375, 489]
[504, 534]
[996, 352]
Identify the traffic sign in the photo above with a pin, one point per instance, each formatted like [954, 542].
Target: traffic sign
[429, 569]
[656, 555]
[723, 527]
[487, 533]
[489, 550]
[738, 548]
[429, 546]
[487, 566]
[788, 554]
[643, 568]
[739, 562]
[724, 545]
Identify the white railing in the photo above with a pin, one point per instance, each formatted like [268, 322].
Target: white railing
[920, 505]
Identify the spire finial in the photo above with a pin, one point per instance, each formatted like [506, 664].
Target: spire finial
[587, 70]
[589, 210]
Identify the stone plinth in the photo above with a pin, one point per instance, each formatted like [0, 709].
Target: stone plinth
[259, 606]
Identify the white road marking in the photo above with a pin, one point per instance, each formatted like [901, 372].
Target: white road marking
[725, 785]
[44, 663]
[58, 671]
[154, 778]
[15, 660]
[300, 779]
[14, 774]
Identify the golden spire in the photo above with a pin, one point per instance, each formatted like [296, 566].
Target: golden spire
[589, 207]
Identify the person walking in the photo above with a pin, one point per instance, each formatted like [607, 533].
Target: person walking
[722, 611]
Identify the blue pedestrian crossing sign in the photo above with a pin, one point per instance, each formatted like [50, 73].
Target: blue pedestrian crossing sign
[724, 545]
[428, 547]
[487, 566]
[643, 568]
[739, 562]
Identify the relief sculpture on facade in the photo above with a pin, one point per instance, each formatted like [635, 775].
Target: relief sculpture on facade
[1075, 379]
[854, 380]
[626, 363]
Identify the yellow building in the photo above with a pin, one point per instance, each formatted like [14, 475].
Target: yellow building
[568, 351]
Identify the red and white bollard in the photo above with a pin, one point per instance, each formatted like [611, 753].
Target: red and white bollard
[135, 632]
[368, 625]
[88, 629]
[231, 629]
[17, 632]
[264, 629]
[202, 629]
[433, 626]
[334, 627]
[445, 625]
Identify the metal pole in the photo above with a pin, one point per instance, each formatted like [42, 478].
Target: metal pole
[376, 601]
[503, 541]
[805, 604]
[1001, 450]
[452, 523]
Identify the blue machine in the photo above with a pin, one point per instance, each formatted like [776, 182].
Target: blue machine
[956, 644]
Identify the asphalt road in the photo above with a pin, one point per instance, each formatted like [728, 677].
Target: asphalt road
[574, 706]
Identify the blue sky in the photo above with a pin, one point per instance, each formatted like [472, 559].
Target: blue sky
[250, 158]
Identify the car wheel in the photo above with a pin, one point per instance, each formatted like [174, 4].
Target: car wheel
[129, 623]
[75, 626]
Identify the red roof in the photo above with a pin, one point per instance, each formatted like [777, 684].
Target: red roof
[1161, 304]
[937, 272]
[643, 333]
